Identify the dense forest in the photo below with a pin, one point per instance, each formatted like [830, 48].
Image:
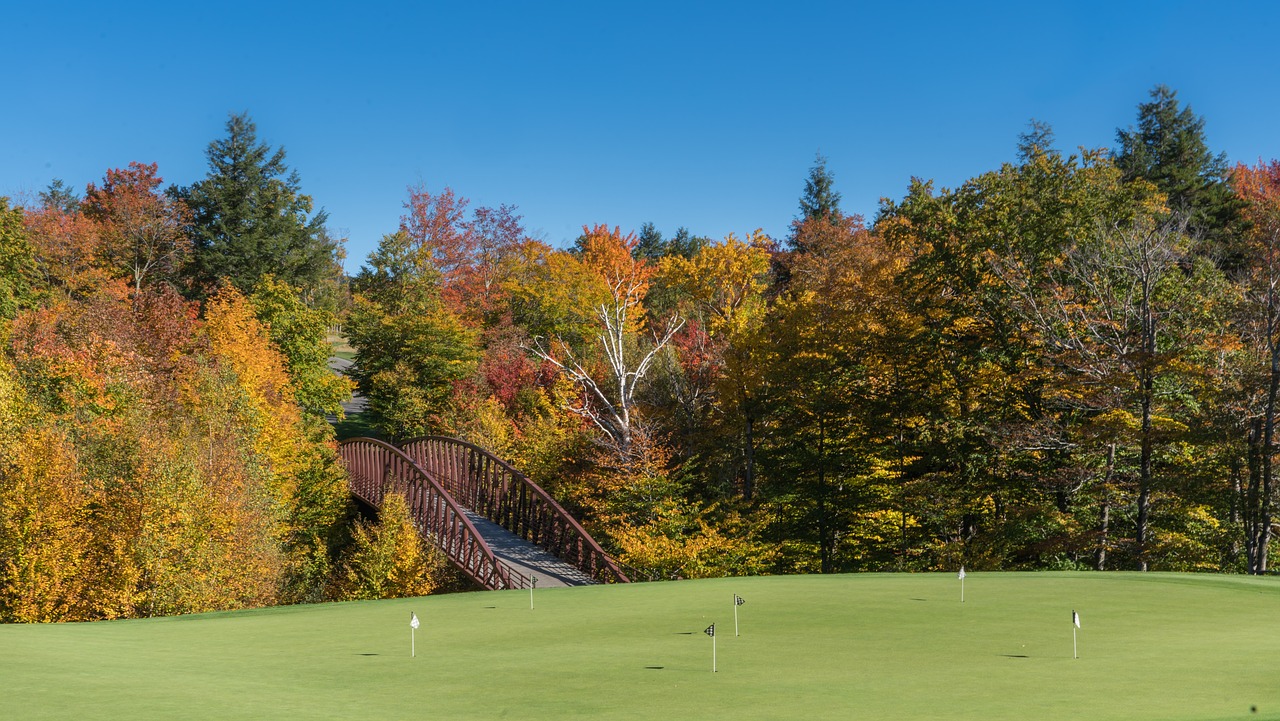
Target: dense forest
[1069, 362]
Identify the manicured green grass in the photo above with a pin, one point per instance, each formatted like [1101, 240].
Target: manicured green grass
[1155, 646]
[355, 425]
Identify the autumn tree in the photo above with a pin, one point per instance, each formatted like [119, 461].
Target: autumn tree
[826, 451]
[68, 250]
[1259, 187]
[611, 373]
[721, 290]
[410, 347]
[299, 333]
[251, 218]
[389, 558]
[142, 231]
[467, 250]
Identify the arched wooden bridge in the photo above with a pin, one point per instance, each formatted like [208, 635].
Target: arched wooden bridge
[469, 503]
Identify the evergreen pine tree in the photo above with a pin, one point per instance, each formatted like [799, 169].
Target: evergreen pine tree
[649, 245]
[820, 199]
[1168, 149]
[58, 196]
[1037, 139]
[250, 218]
[686, 244]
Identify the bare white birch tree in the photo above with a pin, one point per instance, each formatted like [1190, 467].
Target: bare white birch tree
[609, 393]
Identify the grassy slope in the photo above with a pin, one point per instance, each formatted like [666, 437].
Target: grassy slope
[1157, 646]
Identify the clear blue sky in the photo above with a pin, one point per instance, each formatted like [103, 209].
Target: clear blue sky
[705, 115]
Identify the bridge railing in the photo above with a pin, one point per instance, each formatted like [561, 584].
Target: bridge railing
[376, 468]
[495, 490]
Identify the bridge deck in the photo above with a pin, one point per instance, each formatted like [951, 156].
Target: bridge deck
[525, 557]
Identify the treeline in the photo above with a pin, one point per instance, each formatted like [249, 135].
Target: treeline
[1072, 361]
[1069, 362]
[163, 393]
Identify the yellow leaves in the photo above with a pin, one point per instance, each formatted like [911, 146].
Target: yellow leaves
[679, 543]
[389, 559]
[723, 281]
[41, 537]
[238, 341]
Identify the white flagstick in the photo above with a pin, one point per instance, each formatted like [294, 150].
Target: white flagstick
[735, 614]
[711, 631]
[413, 629]
[1075, 624]
[962, 584]
[532, 585]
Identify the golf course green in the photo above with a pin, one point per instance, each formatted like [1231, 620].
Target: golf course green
[865, 646]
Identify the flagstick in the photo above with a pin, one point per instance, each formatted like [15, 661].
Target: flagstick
[1073, 642]
[962, 590]
[413, 646]
[713, 654]
[735, 615]
[533, 582]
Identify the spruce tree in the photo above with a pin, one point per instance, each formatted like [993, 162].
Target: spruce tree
[1168, 149]
[820, 199]
[251, 218]
[686, 244]
[649, 245]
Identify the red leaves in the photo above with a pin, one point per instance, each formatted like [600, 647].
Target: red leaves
[142, 232]
[467, 252]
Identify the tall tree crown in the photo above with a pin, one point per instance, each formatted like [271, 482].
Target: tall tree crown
[251, 218]
[1168, 149]
[820, 199]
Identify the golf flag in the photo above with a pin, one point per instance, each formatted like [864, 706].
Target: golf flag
[711, 631]
[1075, 623]
[413, 629]
[961, 573]
[737, 600]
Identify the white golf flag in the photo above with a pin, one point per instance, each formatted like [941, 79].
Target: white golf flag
[413, 620]
[962, 573]
[1075, 618]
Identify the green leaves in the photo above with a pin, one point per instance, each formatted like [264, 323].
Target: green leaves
[251, 219]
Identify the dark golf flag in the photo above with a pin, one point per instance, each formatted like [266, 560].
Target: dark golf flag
[737, 600]
[1075, 618]
[711, 630]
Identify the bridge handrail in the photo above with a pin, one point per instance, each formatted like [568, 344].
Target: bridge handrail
[589, 558]
[448, 523]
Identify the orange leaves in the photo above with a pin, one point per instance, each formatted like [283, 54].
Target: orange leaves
[153, 464]
[142, 232]
[1259, 187]
[608, 254]
[238, 341]
[67, 248]
[127, 228]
